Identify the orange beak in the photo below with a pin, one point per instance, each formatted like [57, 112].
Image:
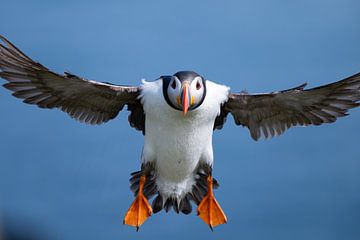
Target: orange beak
[185, 98]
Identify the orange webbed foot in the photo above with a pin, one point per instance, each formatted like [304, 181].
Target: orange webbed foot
[139, 210]
[209, 209]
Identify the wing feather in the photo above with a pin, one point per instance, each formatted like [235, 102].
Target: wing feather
[271, 114]
[85, 100]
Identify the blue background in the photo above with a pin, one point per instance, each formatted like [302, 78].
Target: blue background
[60, 179]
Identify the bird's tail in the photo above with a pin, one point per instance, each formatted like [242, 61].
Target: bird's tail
[183, 205]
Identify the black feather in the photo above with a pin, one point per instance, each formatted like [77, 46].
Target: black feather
[199, 190]
[157, 204]
[185, 206]
[168, 204]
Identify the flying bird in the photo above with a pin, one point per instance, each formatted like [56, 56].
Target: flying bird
[177, 115]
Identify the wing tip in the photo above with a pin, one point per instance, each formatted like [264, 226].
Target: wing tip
[2, 38]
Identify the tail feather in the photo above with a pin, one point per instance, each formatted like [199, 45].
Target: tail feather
[157, 204]
[183, 205]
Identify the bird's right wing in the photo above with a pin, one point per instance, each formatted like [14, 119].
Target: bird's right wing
[85, 100]
[273, 113]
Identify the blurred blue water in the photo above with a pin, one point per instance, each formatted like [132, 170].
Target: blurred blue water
[65, 180]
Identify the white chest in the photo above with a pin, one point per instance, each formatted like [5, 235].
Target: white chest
[174, 142]
[177, 142]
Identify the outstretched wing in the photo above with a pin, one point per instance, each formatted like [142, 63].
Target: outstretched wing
[272, 114]
[85, 100]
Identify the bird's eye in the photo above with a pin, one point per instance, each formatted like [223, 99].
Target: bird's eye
[198, 85]
[173, 84]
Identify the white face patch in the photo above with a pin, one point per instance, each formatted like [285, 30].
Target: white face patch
[174, 91]
[197, 90]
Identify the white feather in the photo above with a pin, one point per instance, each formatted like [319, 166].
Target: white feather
[177, 143]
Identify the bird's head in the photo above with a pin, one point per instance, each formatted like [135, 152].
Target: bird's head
[184, 91]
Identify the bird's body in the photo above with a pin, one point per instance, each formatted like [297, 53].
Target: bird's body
[176, 143]
[177, 115]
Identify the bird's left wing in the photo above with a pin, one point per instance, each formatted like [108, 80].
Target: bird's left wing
[85, 100]
[273, 113]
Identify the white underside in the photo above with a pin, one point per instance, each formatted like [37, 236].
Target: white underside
[177, 143]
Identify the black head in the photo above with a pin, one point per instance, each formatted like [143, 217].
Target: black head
[184, 91]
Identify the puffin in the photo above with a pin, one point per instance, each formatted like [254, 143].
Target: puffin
[177, 115]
